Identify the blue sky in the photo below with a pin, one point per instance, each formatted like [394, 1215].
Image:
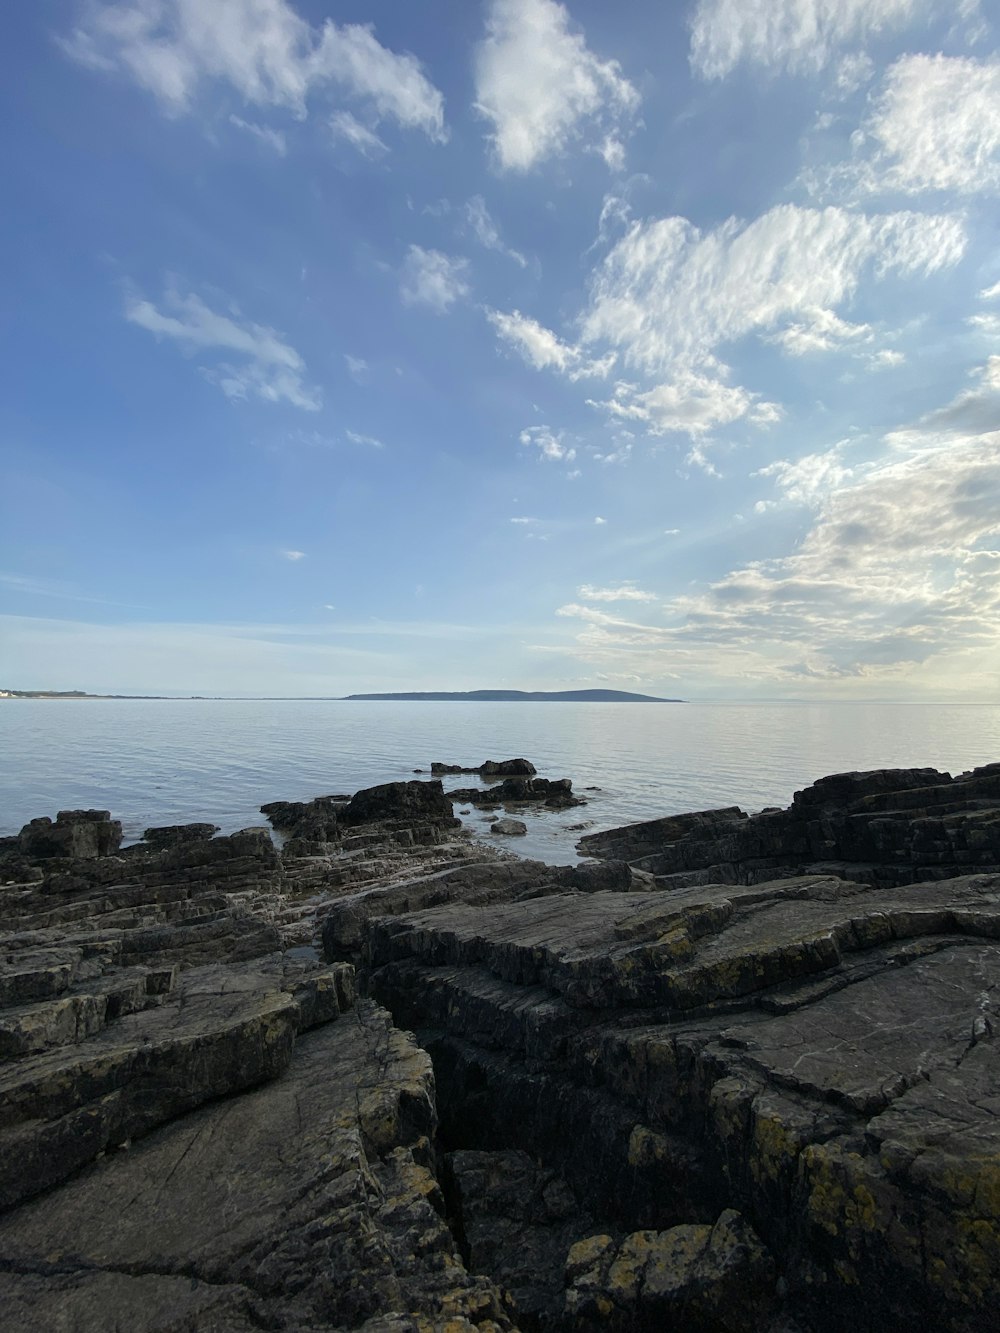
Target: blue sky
[356, 346]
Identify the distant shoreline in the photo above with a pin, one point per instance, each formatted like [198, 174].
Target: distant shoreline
[469, 696]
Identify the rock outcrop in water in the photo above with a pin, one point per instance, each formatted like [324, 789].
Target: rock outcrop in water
[887, 827]
[670, 1087]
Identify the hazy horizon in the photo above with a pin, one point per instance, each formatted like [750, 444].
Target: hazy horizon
[374, 347]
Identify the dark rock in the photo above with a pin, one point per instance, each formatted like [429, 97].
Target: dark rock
[510, 827]
[717, 1278]
[308, 1204]
[556, 793]
[309, 821]
[812, 1053]
[76, 834]
[507, 768]
[886, 827]
[491, 768]
[424, 801]
[171, 835]
[516, 1222]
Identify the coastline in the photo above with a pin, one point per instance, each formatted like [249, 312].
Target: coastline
[680, 1059]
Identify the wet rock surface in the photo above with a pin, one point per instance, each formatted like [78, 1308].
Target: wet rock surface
[641, 1099]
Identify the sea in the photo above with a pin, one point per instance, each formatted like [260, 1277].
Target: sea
[169, 761]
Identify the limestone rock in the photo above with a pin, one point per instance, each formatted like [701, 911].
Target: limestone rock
[714, 1279]
[308, 1204]
[172, 835]
[74, 834]
[889, 826]
[813, 1053]
[400, 800]
[516, 1222]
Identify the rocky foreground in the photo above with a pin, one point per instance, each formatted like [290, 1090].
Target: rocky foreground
[733, 1073]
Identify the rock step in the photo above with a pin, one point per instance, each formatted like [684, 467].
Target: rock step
[305, 1204]
[81, 1012]
[220, 1031]
[653, 949]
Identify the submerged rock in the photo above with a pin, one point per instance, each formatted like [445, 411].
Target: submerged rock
[510, 827]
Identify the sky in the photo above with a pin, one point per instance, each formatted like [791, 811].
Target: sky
[352, 345]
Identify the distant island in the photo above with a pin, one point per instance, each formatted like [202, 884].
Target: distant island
[522, 696]
[418, 696]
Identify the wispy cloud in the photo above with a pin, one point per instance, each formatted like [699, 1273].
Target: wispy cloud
[346, 128]
[369, 441]
[431, 278]
[273, 139]
[271, 369]
[545, 350]
[799, 35]
[936, 126]
[543, 89]
[486, 231]
[261, 49]
[292, 555]
[625, 592]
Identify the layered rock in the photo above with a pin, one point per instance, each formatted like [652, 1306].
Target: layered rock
[811, 1053]
[309, 1204]
[140, 988]
[890, 826]
[768, 1104]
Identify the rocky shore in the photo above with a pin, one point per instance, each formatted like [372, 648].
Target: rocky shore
[732, 1073]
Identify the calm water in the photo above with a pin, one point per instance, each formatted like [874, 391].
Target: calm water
[170, 761]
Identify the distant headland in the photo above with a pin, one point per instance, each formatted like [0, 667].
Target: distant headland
[522, 696]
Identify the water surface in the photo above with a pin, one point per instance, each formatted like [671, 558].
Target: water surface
[170, 761]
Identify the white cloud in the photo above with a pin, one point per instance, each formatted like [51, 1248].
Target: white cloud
[357, 367]
[262, 49]
[692, 404]
[896, 580]
[273, 139]
[808, 480]
[431, 278]
[541, 87]
[600, 521]
[668, 294]
[293, 555]
[543, 349]
[820, 331]
[853, 70]
[346, 128]
[525, 522]
[486, 232]
[936, 126]
[368, 440]
[990, 293]
[625, 592]
[271, 369]
[549, 443]
[798, 35]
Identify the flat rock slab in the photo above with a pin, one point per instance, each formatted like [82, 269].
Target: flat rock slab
[305, 1205]
[222, 1030]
